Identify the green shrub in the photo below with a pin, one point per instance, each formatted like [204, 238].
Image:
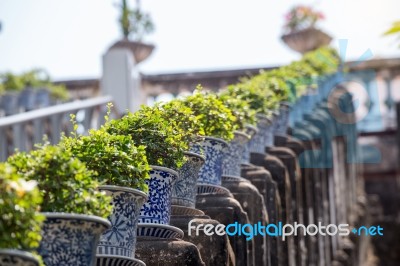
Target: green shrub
[58, 92]
[214, 118]
[240, 109]
[323, 61]
[11, 82]
[65, 183]
[183, 119]
[252, 92]
[20, 221]
[164, 142]
[289, 82]
[114, 158]
[35, 78]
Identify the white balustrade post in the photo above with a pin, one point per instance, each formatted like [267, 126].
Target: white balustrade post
[121, 79]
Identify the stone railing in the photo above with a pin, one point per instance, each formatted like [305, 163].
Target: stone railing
[374, 84]
[22, 131]
[309, 176]
[29, 99]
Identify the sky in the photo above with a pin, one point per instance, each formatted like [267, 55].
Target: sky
[68, 38]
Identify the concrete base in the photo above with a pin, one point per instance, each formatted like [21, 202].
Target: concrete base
[249, 196]
[227, 210]
[167, 252]
[214, 249]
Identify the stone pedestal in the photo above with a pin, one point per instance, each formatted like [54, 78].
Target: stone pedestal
[249, 197]
[280, 175]
[288, 150]
[168, 252]
[262, 179]
[214, 249]
[227, 210]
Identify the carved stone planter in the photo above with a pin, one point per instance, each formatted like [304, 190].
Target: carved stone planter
[140, 51]
[120, 240]
[306, 40]
[184, 190]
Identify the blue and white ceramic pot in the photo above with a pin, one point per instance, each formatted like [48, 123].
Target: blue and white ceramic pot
[15, 257]
[120, 239]
[275, 116]
[184, 190]
[214, 150]
[157, 209]
[26, 99]
[113, 260]
[9, 103]
[250, 131]
[266, 128]
[70, 239]
[257, 143]
[212, 189]
[234, 154]
[283, 119]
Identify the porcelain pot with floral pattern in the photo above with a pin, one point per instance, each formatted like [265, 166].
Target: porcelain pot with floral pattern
[157, 208]
[184, 191]
[70, 239]
[214, 150]
[15, 257]
[257, 143]
[250, 131]
[267, 129]
[234, 154]
[120, 239]
[282, 120]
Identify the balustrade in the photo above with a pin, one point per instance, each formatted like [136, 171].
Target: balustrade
[22, 131]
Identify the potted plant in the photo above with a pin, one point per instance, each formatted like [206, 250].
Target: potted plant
[12, 85]
[245, 118]
[165, 146]
[30, 90]
[300, 78]
[122, 169]
[184, 189]
[73, 206]
[324, 61]
[287, 84]
[38, 90]
[217, 125]
[261, 101]
[134, 24]
[20, 221]
[39, 80]
[301, 34]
